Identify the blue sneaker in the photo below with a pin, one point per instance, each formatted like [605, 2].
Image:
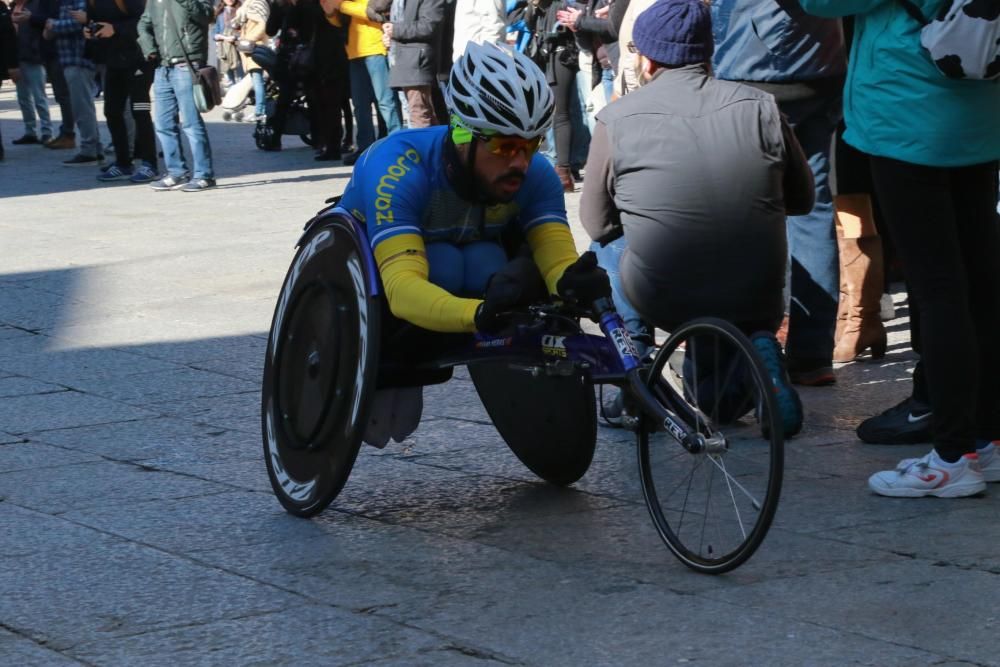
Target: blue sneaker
[114, 173]
[789, 403]
[146, 173]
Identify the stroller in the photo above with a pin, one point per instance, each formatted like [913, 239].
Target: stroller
[237, 98]
[296, 120]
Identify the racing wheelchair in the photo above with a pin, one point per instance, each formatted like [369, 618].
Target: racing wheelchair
[704, 415]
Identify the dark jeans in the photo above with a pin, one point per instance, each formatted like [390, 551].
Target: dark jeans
[565, 97]
[121, 86]
[61, 92]
[812, 241]
[947, 233]
[329, 97]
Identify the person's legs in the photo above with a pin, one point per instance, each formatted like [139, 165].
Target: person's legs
[80, 81]
[144, 140]
[362, 96]
[25, 100]
[973, 191]
[480, 261]
[378, 72]
[446, 267]
[580, 143]
[583, 88]
[918, 203]
[812, 245]
[259, 95]
[60, 91]
[35, 74]
[609, 258]
[418, 99]
[165, 122]
[116, 90]
[192, 123]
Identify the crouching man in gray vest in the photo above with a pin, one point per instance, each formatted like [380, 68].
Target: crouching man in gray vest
[698, 175]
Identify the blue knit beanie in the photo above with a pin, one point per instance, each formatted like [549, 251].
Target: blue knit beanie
[675, 32]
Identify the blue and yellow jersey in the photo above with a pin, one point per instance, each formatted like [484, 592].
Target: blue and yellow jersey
[401, 192]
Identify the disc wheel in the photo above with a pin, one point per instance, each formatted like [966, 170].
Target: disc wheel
[549, 422]
[319, 369]
[712, 508]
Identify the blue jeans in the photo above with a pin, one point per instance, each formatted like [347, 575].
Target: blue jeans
[80, 83]
[259, 94]
[812, 241]
[609, 258]
[370, 85]
[173, 92]
[31, 98]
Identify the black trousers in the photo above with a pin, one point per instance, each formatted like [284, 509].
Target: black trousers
[328, 96]
[54, 73]
[947, 233]
[565, 96]
[122, 85]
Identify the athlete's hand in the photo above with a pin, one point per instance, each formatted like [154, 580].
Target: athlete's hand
[583, 281]
[502, 295]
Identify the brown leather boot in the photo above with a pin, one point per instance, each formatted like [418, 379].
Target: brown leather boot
[566, 178]
[861, 271]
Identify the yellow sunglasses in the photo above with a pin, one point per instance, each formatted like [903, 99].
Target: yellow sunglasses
[509, 147]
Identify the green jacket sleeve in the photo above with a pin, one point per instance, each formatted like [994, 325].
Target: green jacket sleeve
[147, 37]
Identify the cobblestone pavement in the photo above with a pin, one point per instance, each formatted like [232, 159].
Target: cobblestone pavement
[138, 526]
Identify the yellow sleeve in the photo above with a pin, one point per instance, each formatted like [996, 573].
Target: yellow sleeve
[553, 248]
[402, 263]
[355, 8]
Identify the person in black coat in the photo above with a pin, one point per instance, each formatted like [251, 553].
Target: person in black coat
[414, 33]
[128, 78]
[8, 52]
[330, 89]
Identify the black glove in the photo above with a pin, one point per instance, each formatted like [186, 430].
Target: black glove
[583, 281]
[502, 294]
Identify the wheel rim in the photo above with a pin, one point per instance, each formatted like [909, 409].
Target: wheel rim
[713, 508]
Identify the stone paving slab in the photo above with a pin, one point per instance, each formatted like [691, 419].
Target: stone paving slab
[306, 635]
[21, 386]
[65, 409]
[32, 455]
[21, 651]
[68, 487]
[156, 387]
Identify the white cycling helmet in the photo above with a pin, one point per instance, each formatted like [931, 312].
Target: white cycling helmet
[492, 88]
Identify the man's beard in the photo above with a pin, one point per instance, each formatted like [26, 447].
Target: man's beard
[493, 189]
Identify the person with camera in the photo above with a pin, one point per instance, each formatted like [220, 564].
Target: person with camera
[251, 21]
[78, 69]
[173, 36]
[127, 80]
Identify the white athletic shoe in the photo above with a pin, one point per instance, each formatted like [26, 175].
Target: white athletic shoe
[989, 461]
[930, 476]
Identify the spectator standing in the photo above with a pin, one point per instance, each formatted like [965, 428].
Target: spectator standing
[624, 13]
[8, 52]
[230, 62]
[128, 77]
[775, 46]
[477, 21]
[939, 205]
[330, 88]
[598, 42]
[369, 74]
[171, 33]
[689, 167]
[251, 18]
[31, 82]
[67, 30]
[414, 33]
[66, 139]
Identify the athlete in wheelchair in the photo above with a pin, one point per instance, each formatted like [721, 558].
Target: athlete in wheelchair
[451, 246]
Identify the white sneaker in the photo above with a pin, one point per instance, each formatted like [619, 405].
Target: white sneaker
[930, 476]
[989, 461]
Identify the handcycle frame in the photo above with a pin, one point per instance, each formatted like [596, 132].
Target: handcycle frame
[345, 347]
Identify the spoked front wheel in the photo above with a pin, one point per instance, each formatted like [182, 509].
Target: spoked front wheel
[714, 507]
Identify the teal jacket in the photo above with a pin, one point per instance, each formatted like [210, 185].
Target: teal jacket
[896, 102]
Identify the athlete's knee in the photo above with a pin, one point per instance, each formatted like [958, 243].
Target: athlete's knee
[482, 259]
[446, 266]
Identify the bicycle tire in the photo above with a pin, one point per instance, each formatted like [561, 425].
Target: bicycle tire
[318, 383]
[668, 519]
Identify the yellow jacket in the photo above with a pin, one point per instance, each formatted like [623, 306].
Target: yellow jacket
[364, 37]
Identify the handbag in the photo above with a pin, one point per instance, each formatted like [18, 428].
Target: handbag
[964, 40]
[204, 80]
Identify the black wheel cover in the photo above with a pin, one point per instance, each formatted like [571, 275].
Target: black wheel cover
[320, 368]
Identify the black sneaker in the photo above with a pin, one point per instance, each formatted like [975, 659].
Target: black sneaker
[349, 159]
[169, 183]
[199, 184]
[26, 140]
[908, 423]
[83, 161]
